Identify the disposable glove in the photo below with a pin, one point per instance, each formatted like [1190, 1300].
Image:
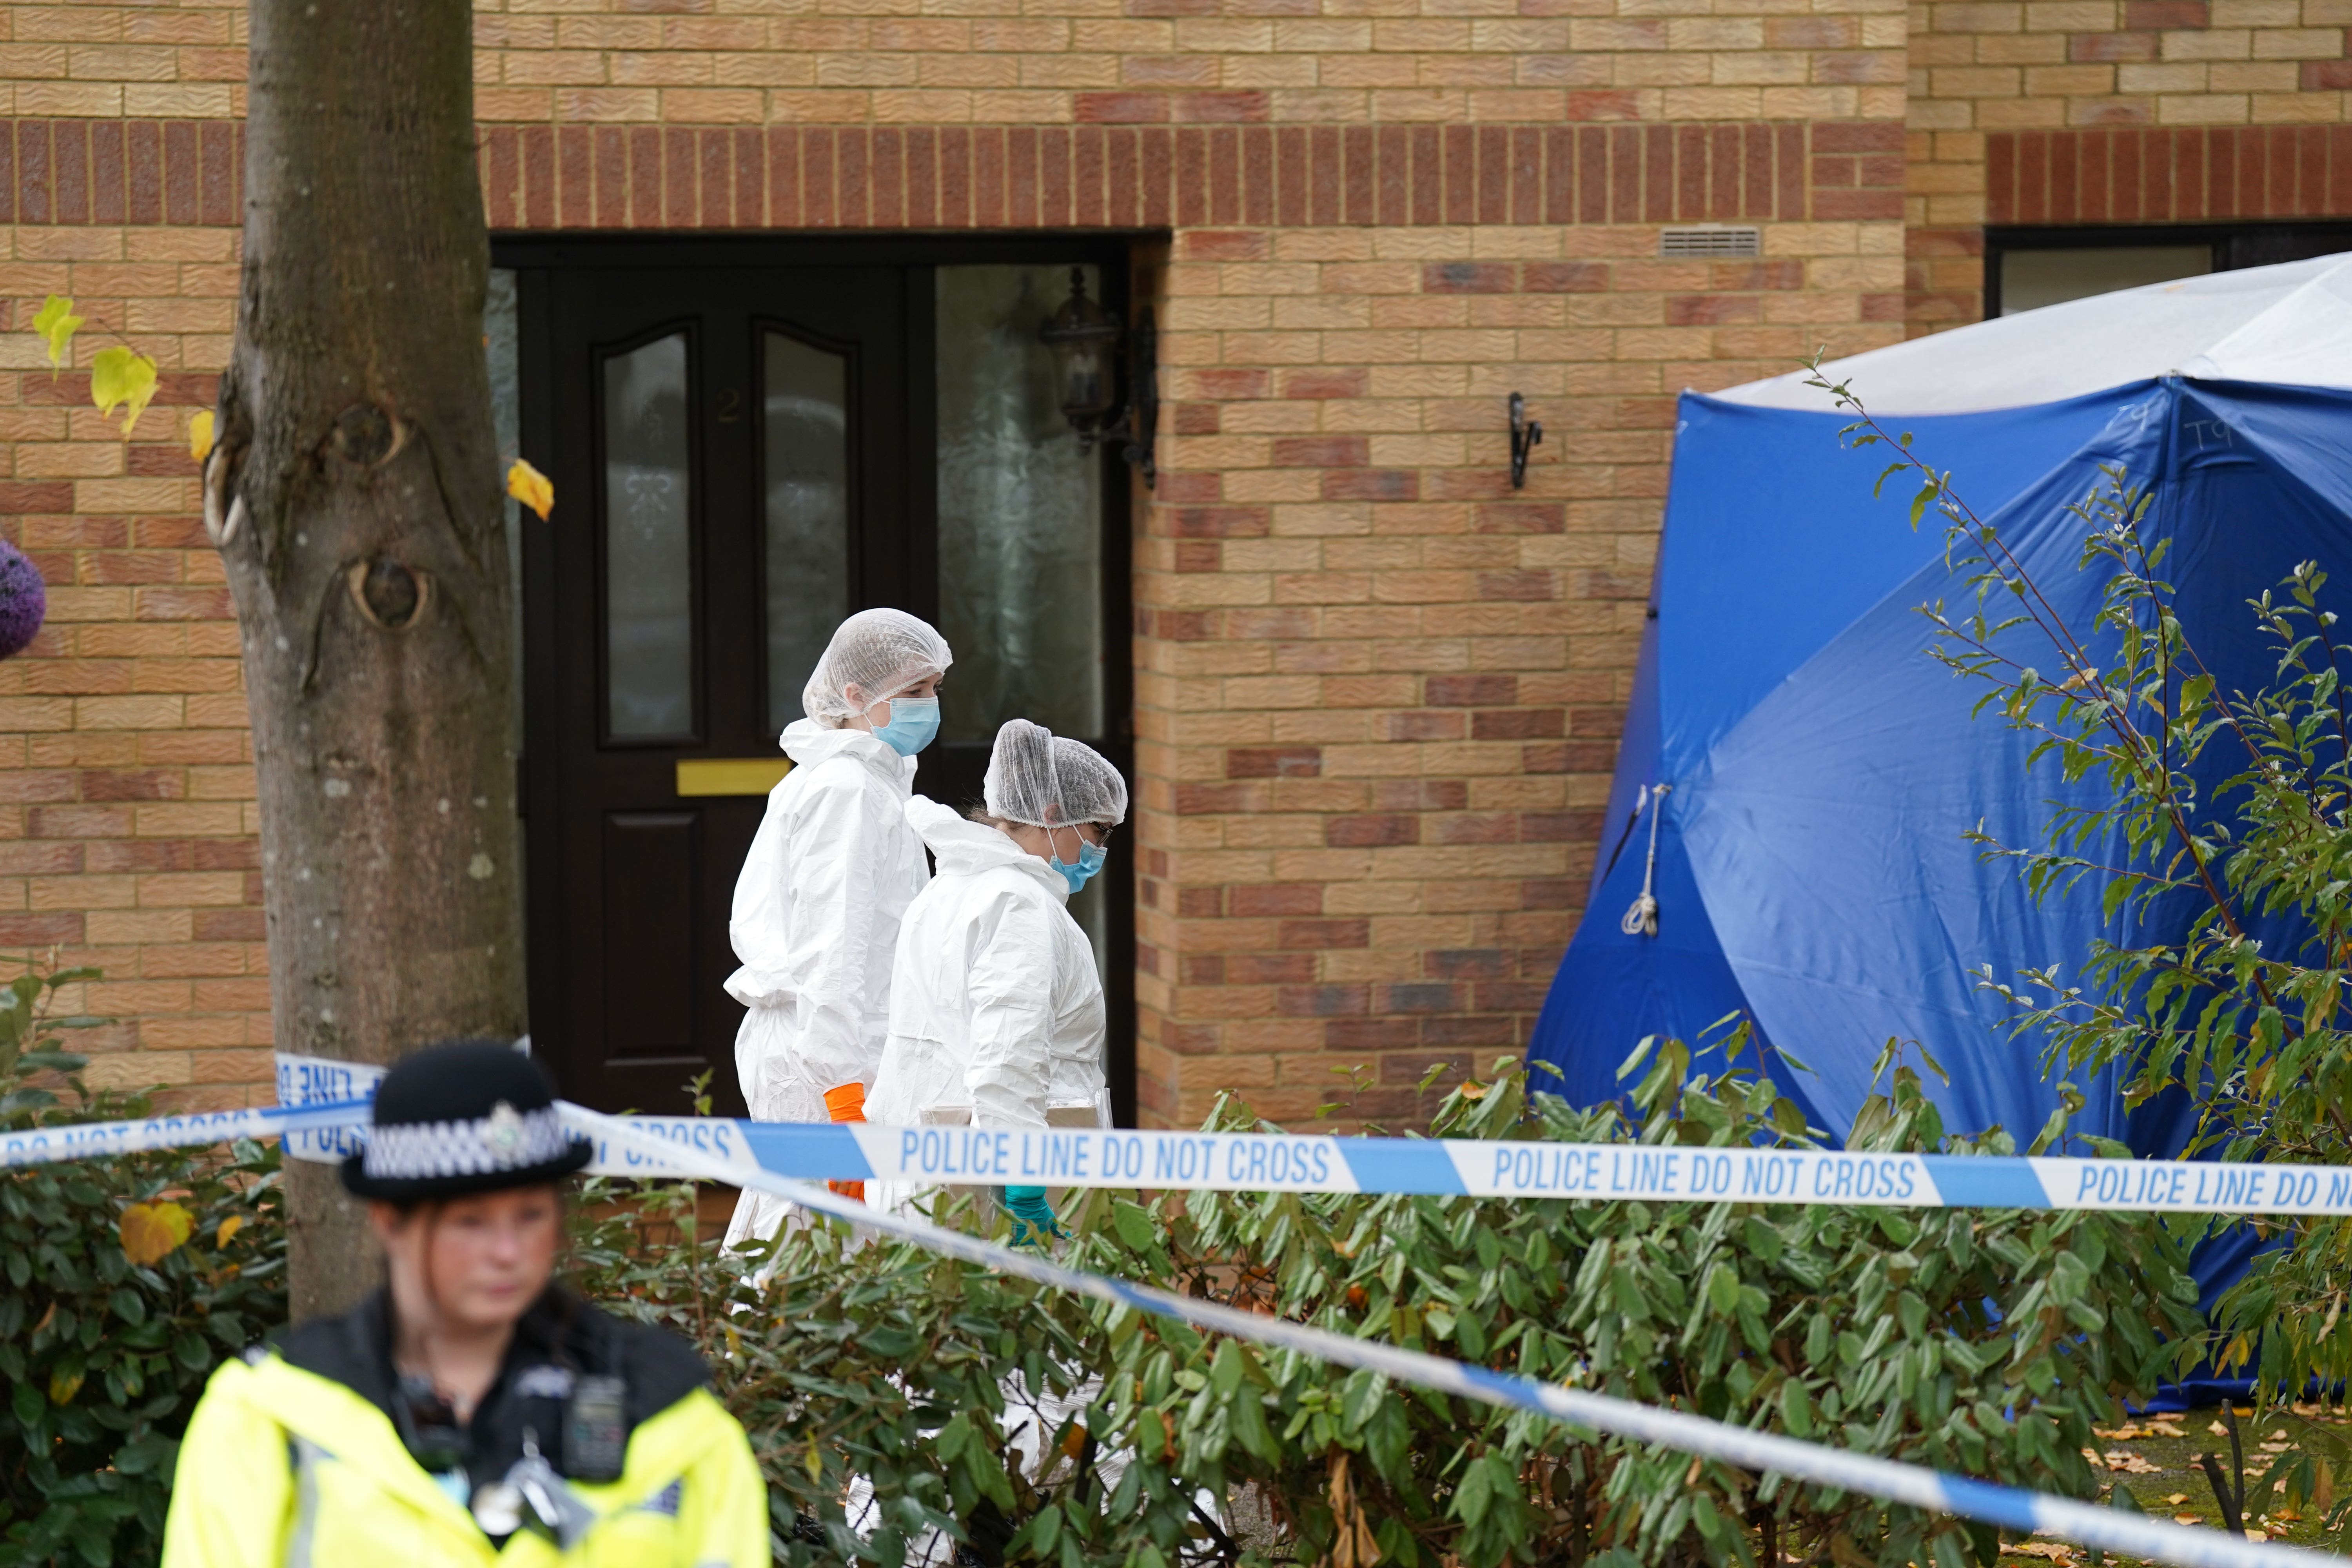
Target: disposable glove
[846, 1102]
[1033, 1216]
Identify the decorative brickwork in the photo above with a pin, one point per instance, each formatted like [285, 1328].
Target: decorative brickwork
[2153, 175]
[933, 177]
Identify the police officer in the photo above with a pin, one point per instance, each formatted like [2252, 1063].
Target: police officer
[472, 1412]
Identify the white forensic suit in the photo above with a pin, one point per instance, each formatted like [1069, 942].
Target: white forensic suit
[996, 1010]
[815, 922]
[997, 1019]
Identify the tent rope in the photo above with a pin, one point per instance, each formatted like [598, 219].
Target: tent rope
[1642, 919]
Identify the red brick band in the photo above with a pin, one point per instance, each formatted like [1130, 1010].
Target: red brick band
[2157, 174]
[1024, 177]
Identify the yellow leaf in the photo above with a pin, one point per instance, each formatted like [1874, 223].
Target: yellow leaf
[532, 488]
[200, 435]
[63, 1386]
[227, 1230]
[151, 1232]
[57, 323]
[120, 379]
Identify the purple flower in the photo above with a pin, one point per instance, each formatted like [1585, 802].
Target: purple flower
[24, 600]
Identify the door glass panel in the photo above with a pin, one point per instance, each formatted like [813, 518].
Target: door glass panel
[648, 548]
[1020, 513]
[804, 461]
[1021, 525]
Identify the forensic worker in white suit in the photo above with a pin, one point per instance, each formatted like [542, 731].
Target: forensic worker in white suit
[996, 1010]
[831, 873]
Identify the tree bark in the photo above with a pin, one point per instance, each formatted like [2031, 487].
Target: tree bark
[355, 495]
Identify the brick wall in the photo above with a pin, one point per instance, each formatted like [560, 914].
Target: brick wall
[126, 793]
[1052, 62]
[2009, 87]
[1378, 689]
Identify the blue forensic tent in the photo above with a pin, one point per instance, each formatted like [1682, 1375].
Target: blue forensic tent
[1819, 769]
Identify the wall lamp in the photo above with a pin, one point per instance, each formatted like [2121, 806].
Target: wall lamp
[1085, 339]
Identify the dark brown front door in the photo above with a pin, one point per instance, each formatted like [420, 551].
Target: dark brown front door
[743, 453]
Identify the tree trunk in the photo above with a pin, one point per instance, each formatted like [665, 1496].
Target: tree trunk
[356, 498]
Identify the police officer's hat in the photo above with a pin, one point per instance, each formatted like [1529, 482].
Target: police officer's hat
[471, 1115]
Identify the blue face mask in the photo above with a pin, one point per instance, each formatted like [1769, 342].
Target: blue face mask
[913, 721]
[1090, 860]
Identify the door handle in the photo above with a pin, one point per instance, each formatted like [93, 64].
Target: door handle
[731, 776]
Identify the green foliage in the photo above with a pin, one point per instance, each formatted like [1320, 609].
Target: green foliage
[1988, 1342]
[102, 1358]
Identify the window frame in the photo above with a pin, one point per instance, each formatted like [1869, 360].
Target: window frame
[2236, 245]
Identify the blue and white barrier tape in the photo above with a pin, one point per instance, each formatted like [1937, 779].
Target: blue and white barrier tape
[94, 1139]
[2009, 1508]
[323, 1102]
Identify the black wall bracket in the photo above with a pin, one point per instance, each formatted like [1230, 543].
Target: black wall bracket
[1143, 397]
[1526, 434]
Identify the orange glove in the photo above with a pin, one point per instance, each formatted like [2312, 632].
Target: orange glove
[846, 1102]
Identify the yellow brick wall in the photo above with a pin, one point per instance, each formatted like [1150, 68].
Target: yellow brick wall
[1041, 61]
[127, 819]
[1984, 68]
[1377, 691]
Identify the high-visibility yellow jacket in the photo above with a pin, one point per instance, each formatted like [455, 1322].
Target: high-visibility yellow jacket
[284, 1468]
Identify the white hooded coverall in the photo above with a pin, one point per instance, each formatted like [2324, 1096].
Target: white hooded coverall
[816, 923]
[996, 1011]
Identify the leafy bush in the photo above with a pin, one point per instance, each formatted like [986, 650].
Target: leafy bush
[1988, 1342]
[104, 1355]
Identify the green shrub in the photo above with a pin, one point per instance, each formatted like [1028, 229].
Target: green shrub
[1987, 1342]
[104, 1357]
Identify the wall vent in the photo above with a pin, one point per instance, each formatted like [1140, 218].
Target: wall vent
[1710, 239]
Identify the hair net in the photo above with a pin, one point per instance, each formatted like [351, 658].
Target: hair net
[1034, 776]
[880, 652]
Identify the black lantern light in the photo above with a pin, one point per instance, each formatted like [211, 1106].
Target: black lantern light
[1085, 339]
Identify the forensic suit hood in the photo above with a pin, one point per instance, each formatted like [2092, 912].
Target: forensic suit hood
[996, 1011]
[815, 920]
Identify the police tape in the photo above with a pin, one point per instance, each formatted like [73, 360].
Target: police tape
[95, 1140]
[1265, 1161]
[2010, 1507]
[323, 1104]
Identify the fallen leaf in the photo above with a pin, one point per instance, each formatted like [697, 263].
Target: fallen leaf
[200, 435]
[532, 488]
[121, 379]
[2047, 1549]
[228, 1228]
[57, 324]
[2218, 1429]
[151, 1232]
[2185, 1519]
[2167, 1429]
[2177, 1499]
[2131, 1463]
[2258, 1535]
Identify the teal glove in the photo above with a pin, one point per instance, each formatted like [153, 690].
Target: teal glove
[1033, 1216]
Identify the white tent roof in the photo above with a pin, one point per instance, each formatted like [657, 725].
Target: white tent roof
[2287, 325]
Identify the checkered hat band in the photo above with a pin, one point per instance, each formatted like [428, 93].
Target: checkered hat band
[412, 1150]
